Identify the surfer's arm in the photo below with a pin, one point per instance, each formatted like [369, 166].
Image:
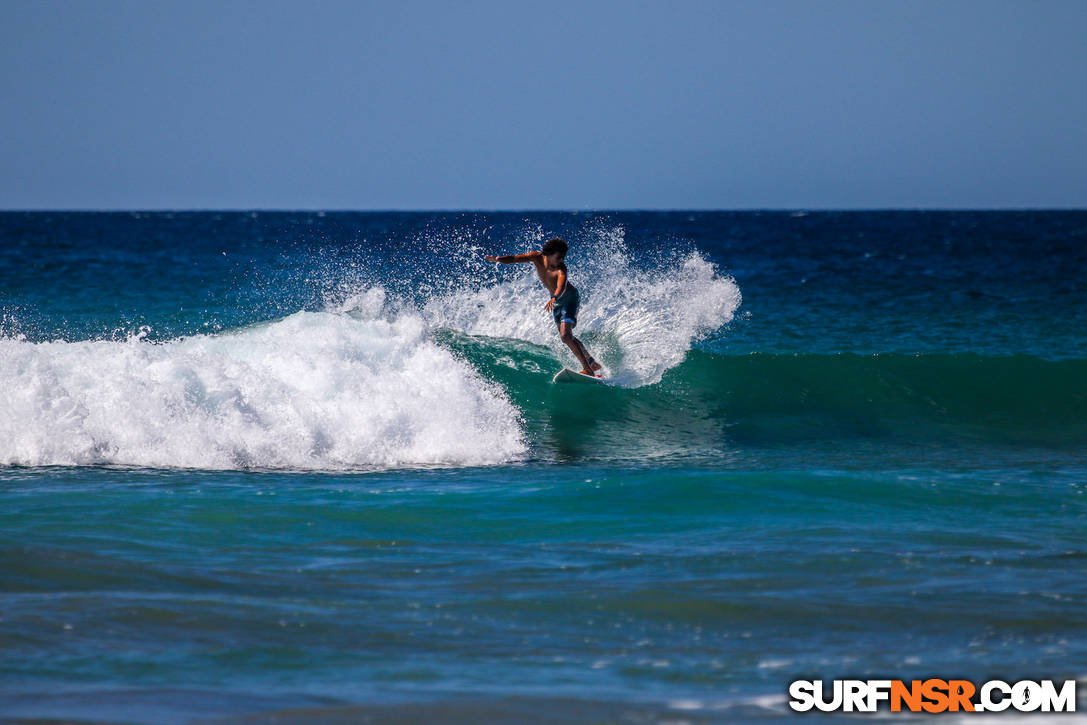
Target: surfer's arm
[560, 282]
[514, 258]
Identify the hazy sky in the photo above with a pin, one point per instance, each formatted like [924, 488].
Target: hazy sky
[543, 105]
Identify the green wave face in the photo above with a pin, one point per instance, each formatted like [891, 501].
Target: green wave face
[746, 408]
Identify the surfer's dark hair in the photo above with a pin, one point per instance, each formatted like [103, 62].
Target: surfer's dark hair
[554, 245]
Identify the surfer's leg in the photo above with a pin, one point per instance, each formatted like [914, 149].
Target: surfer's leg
[567, 335]
[593, 364]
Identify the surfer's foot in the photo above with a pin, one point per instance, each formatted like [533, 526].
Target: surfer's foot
[594, 365]
[590, 373]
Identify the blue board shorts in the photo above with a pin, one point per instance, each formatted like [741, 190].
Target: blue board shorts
[565, 309]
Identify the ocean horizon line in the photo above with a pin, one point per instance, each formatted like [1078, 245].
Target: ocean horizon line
[542, 210]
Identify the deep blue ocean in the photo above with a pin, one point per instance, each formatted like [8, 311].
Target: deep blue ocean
[311, 467]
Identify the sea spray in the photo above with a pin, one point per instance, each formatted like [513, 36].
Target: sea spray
[640, 317]
[315, 390]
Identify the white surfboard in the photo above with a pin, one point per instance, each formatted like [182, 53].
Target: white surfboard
[566, 375]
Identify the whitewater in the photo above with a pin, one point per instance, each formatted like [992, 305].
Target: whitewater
[360, 384]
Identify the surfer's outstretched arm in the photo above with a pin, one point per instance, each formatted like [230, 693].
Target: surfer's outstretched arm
[514, 258]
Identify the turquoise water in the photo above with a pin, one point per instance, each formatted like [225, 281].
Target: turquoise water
[302, 467]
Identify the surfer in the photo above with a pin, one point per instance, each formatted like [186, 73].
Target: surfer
[564, 300]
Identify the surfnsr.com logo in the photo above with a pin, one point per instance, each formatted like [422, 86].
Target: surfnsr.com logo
[933, 695]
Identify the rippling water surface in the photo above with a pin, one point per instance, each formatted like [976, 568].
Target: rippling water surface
[311, 467]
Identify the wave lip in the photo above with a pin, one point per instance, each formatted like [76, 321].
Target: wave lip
[312, 391]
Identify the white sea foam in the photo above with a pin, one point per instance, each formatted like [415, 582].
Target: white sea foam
[639, 318]
[315, 390]
[360, 385]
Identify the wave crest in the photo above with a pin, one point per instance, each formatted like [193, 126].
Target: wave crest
[315, 390]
